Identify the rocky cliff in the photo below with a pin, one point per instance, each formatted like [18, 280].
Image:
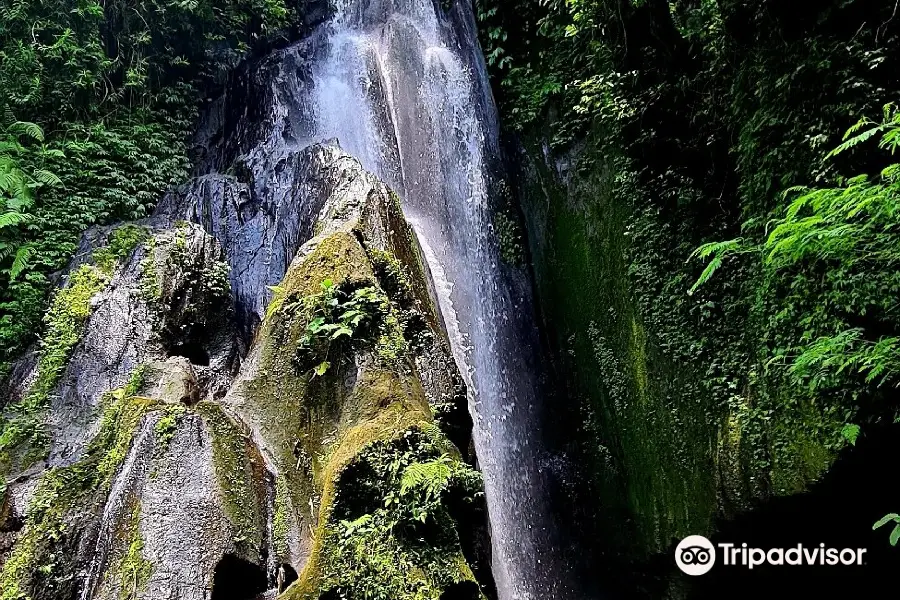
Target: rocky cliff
[240, 393]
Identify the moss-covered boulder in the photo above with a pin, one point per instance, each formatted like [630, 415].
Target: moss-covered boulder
[161, 496]
[337, 392]
[134, 294]
[149, 453]
[113, 494]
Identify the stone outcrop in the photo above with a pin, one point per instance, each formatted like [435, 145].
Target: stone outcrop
[240, 395]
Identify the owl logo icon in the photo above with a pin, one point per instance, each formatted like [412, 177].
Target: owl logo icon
[695, 555]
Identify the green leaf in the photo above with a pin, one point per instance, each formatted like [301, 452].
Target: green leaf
[20, 262]
[716, 252]
[27, 129]
[850, 432]
[885, 520]
[342, 331]
[47, 178]
[321, 368]
[11, 218]
[895, 535]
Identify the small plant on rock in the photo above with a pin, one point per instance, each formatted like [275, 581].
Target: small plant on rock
[337, 316]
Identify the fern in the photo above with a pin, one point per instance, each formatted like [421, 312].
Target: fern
[856, 140]
[12, 218]
[20, 262]
[716, 252]
[30, 130]
[47, 178]
[433, 477]
[431, 431]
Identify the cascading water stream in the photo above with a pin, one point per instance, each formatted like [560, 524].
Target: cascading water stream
[402, 85]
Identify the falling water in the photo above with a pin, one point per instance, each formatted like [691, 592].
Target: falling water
[402, 85]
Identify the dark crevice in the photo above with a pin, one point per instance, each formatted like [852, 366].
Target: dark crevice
[237, 579]
[838, 511]
[463, 590]
[192, 351]
[286, 576]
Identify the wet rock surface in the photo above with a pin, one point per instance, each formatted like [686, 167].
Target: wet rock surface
[187, 441]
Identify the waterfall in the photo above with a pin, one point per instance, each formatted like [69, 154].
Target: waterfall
[402, 85]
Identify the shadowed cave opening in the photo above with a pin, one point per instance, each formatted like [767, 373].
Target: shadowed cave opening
[237, 579]
[192, 351]
[286, 576]
[462, 590]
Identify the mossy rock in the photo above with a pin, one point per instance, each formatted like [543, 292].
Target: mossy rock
[666, 407]
[324, 427]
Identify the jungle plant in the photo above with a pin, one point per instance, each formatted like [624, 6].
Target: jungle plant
[895, 532]
[391, 533]
[847, 237]
[18, 184]
[116, 86]
[839, 231]
[337, 315]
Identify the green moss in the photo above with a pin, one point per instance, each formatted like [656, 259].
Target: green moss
[677, 418]
[641, 419]
[391, 346]
[804, 437]
[391, 276]
[281, 520]
[150, 283]
[133, 570]
[509, 238]
[22, 437]
[233, 459]
[136, 381]
[49, 534]
[329, 433]
[121, 243]
[383, 538]
[167, 425]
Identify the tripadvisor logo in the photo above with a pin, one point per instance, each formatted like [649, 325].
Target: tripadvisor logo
[696, 555]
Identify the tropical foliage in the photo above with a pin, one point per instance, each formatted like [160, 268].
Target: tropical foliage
[17, 190]
[707, 121]
[106, 94]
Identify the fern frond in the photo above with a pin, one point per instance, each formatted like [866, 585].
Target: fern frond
[8, 116]
[47, 178]
[856, 140]
[711, 248]
[432, 476]
[857, 127]
[716, 252]
[28, 129]
[12, 218]
[20, 262]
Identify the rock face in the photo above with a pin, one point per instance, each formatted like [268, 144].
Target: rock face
[236, 395]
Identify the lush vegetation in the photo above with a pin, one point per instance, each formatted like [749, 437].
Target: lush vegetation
[849, 236]
[710, 124]
[395, 514]
[99, 100]
[334, 316]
